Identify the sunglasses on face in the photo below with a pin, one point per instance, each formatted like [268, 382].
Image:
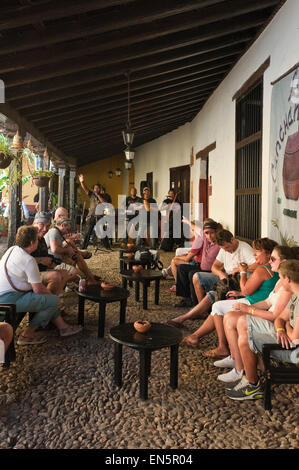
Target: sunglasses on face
[273, 259]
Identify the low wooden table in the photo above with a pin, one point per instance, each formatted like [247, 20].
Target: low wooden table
[97, 294]
[145, 277]
[159, 336]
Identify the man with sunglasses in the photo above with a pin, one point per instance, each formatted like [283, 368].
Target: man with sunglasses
[204, 261]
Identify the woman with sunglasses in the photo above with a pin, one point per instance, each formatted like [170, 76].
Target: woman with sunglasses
[268, 309]
[254, 288]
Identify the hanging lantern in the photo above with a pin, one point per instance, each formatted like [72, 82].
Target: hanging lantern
[128, 165]
[118, 172]
[129, 153]
[128, 134]
[110, 174]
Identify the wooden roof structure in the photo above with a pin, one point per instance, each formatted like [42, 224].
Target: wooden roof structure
[64, 65]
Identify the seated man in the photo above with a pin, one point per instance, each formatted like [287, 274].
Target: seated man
[73, 239]
[6, 336]
[285, 330]
[232, 253]
[55, 280]
[70, 256]
[20, 284]
[185, 272]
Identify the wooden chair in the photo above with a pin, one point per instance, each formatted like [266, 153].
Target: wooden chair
[285, 373]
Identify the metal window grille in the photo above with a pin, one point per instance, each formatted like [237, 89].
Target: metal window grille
[248, 164]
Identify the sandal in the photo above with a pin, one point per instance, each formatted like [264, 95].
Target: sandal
[23, 340]
[174, 323]
[70, 330]
[213, 354]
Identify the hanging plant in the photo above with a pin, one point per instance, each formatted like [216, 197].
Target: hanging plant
[41, 178]
[6, 155]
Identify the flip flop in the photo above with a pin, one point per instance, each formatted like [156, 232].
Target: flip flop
[214, 355]
[174, 323]
[24, 340]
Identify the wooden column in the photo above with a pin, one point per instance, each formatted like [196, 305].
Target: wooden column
[15, 200]
[43, 199]
[61, 176]
[72, 197]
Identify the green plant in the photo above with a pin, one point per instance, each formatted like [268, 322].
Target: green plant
[284, 238]
[5, 147]
[45, 173]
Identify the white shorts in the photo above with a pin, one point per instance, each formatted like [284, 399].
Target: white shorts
[223, 306]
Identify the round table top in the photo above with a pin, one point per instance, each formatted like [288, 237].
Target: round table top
[97, 293]
[145, 274]
[157, 337]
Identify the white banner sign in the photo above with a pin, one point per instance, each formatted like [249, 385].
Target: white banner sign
[284, 161]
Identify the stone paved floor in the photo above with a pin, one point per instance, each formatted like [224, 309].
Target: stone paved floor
[61, 394]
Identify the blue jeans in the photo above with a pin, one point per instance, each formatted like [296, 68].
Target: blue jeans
[45, 306]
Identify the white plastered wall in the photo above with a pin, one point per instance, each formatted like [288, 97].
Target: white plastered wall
[216, 122]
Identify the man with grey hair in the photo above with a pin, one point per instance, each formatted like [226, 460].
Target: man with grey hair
[71, 259]
[73, 239]
[53, 279]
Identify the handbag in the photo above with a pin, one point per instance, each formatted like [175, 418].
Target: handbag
[8, 278]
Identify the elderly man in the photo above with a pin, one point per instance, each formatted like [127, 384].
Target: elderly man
[54, 280]
[69, 256]
[73, 239]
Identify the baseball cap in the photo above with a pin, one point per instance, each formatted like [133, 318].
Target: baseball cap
[42, 217]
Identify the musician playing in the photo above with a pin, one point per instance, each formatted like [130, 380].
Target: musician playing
[170, 206]
[133, 203]
[148, 220]
[95, 197]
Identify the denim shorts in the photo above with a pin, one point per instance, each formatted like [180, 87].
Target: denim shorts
[207, 280]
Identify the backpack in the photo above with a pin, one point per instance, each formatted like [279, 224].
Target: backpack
[149, 257]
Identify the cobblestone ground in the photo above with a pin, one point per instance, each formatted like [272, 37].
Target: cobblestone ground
[61, 395]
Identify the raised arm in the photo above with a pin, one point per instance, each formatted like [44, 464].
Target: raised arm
[81, 180]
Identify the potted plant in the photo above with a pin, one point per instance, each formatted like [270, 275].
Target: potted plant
[6, 155]
[41, 177]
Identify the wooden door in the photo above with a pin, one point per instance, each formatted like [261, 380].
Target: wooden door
[180, 182]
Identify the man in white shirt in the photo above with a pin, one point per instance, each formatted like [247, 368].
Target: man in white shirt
[232, 253]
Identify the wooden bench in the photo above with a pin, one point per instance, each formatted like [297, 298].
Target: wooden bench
[285, 373]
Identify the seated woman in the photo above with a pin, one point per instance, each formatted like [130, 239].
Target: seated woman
[284, 330]
[268, 309]
[20, 284]
[255, 288]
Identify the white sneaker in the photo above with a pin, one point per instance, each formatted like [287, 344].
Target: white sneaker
[230, 376]
[226, 362]
[164, 273]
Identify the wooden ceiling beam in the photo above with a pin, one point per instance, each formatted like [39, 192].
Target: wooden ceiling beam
[120, 96]
[140, 50]
[137, 34]
[23, 15]
[111, 20]
[103, 123]
[120, 87]
[152, 112]
[159, 117]
[209, 51]
[59, 123]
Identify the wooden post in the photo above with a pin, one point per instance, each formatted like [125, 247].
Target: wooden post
[61, 176]
[15, 200]
[43, 199]
[72, 213]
